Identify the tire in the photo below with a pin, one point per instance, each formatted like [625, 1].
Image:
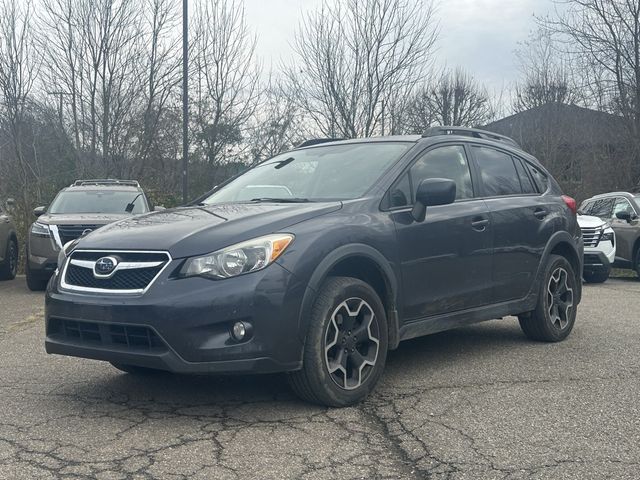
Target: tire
[555, 313]
[596, 277]
[34, 283]
[9, 268]
[134, 369]
[343, 308]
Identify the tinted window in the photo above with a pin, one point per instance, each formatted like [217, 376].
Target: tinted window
[525, 180]
[444, 162]
[327, 172]
[498, 172]
[602, 208]
[539, 178]
[101, 201]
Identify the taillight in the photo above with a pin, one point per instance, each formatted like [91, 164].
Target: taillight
[571, 203]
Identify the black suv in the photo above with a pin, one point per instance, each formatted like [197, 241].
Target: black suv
[320, 260]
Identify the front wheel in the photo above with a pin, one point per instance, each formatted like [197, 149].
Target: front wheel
[555, 313]
[596, 277]
[346, 345]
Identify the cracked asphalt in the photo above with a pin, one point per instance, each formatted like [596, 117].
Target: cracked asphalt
[480, 402]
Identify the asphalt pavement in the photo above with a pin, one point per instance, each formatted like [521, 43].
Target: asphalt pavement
[480, 402]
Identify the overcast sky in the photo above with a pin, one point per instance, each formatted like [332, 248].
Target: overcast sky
[480, 35]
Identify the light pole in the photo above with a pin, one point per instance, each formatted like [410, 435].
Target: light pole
[185, 101]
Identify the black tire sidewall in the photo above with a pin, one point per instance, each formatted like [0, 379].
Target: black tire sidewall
[5, 266]
[332, 293]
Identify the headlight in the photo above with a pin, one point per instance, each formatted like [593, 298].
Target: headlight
[238, 259]
[40, 229]
[607, 237]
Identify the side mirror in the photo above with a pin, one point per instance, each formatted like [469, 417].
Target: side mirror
[158, 208]
[39, 211]
[430, 193]
[625, 215]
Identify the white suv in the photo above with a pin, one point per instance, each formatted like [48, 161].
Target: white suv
[599, 248]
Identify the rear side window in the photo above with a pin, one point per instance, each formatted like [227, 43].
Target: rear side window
[498, 172]
[602, 208]
[525, 180]
[539, 178]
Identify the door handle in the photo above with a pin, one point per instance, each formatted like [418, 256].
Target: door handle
[540, 213]
[479, 224]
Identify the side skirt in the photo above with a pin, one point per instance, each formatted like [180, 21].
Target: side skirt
[440, 323]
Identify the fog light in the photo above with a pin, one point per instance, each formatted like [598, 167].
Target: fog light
[239, 331]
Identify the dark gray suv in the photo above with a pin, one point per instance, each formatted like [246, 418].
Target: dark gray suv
[77, 210]
[319, 261]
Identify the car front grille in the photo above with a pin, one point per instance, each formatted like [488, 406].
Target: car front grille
[134, 273]
[591, 236]
[125, 337]
[71, 232]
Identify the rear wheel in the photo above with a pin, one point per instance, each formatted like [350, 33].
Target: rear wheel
[9, 268]
[134, 369]
[596, 277]
[555, 313]
[346, 345]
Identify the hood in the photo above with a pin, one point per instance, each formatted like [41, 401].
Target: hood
[81, 218]
[587, 221]
[190, 231]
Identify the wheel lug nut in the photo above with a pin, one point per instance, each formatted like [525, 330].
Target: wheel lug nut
[346, 350]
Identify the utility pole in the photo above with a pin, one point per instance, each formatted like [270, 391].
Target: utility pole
[185, 101]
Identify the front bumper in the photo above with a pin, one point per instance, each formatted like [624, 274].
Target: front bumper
[596, 261]
[184, 325]
[42, 256]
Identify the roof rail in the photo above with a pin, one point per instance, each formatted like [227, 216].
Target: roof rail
[317, 141]
[105, 181]
[469, 132]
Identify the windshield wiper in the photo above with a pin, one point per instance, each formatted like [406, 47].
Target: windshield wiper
[280, 200]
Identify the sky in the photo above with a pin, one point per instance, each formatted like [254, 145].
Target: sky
[479, 35]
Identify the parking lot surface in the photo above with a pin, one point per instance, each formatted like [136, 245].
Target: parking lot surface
[474, 403]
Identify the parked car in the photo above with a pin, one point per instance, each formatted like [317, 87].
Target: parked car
[84, 206]
[620, 209]
[371, 242]
[599, 248]
[8, 245]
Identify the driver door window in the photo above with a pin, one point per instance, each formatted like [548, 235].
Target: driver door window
[448, 162]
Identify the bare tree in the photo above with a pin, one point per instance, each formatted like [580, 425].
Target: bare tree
[603, 36]
[452, 98]
[225, 80]
[357, 57]
[546, 74]
[18, 69]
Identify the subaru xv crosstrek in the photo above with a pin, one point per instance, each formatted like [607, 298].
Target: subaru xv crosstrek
[77, 210]
[320, 260]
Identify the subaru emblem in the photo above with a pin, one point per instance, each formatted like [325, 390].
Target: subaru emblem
[105, 266]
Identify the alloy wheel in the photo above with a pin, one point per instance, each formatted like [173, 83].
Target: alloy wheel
[352, 342]
[560, 298]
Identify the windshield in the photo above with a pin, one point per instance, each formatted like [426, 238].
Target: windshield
[91, 201]
[339, 172]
